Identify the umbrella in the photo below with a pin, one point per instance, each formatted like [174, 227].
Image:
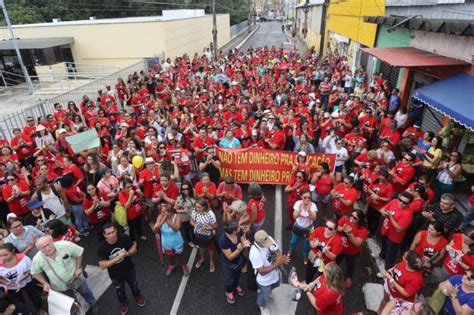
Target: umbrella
[159, 248]
[219, 78]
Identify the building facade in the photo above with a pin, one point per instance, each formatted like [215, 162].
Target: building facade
[117, 42]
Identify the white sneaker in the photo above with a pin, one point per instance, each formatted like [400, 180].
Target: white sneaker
[264, 310]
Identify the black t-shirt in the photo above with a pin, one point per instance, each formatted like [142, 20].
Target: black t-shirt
[214, 173]
[226, 243]
[30, 219]
[107, 251]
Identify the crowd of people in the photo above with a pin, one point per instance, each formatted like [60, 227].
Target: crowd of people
[158, 168]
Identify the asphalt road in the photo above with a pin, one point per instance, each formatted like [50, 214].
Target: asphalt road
[204, 291]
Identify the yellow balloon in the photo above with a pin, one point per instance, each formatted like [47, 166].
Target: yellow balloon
[137, 161]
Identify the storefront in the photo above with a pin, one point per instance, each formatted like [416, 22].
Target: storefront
[422, 69]
[449, 112]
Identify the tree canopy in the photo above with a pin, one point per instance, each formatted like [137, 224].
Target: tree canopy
[38, 11]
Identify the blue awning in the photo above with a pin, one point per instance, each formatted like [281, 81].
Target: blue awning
[453, 97]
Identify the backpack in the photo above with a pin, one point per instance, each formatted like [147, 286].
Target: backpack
[39, 196]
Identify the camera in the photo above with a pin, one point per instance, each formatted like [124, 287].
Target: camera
[154, 180]
[320, 247]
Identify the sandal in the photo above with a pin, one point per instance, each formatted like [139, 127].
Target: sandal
[199, 264]
[212, 268]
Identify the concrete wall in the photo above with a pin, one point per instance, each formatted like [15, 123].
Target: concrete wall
[122, 44]
[313, 37]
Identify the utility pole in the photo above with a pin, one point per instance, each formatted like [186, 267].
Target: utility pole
[323, 26]
[305, 10]
[17, 49]
[214, 27]
[249, 19]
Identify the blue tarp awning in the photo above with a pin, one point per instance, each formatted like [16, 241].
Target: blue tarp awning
[453, 97]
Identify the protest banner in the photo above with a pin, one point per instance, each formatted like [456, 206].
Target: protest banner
[264, 166]
[83, 141]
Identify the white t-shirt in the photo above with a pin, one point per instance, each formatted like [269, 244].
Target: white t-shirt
[387, 154]
[304, 221]
[13, 274]
[340, 153]
[260, 257]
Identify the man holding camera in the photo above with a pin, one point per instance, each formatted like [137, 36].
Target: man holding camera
[266, 258]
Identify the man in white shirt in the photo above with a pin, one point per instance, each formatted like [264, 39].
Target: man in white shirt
[266, 258]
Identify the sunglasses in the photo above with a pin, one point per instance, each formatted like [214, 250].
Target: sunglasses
[306, 198]
[185, 188]
[403, 201]
[161, 147]
[10, 179]
[408, 160]
[330, 228]
[354, 217]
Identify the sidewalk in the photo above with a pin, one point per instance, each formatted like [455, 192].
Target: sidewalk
[300, 43]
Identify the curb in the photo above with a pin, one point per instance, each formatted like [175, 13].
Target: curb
[247, 38]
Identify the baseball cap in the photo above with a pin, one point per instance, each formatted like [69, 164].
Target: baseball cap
[34, 204]
[263, 239]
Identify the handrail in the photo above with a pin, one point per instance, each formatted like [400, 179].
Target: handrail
[12, 74]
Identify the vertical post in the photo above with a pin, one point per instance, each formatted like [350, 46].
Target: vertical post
[214, 27]
[323, 27]
[3, 79]
[17, 49]
[305, 10]
[250, 15]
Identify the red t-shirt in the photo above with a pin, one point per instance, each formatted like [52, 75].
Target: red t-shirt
[403, 216]
[411, 281]
[417, 205]
[75, 170]
[279, 139]
[135, 208]
[451, 266]
[329, 302]
[151, 179]
[198, 188]
[383, 190]
[200, 144]
[260, 203]
[425, 249]
[100, 214]
[347, 247]
[334, 242]
[323, 185]
[25, 151]
[405, 173]
[347, 194]
[233, 190]
[73, 193]
[19, 205]
[172, 191]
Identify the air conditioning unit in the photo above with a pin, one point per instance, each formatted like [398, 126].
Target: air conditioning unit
[92, 18]
[56, 20]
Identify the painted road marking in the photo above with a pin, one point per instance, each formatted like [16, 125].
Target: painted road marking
[278, 216]
[182, 285]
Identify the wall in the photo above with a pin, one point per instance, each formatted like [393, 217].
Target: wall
[238, 28]
[346, 18]
[459, 47]
[398, 37]
[313, 37]
[122, 44]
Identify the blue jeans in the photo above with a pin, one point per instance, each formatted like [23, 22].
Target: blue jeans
[80, 219]
[231, 276]
[389, 252]
[294, 241]
[119, 285]
[264, 292]
[85, 292]
[468, 218]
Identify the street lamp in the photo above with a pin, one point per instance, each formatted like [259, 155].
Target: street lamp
[17, 49]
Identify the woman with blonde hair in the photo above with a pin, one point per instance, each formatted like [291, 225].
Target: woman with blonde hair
[325, 293]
